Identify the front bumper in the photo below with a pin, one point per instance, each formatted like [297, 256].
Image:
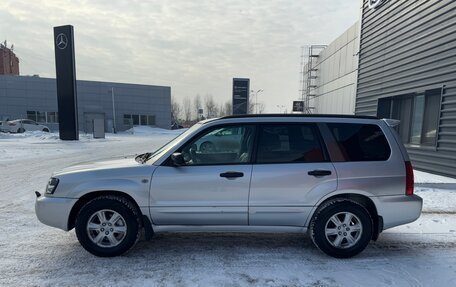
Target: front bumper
[54, 211]
[399, 209]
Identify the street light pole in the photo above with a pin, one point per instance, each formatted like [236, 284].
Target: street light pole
[256, 98]
[114, 129]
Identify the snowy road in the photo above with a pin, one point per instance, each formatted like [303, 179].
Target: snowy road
[31, 254]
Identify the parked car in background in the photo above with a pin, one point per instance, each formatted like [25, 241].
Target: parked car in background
[344, 179]
[22, 125]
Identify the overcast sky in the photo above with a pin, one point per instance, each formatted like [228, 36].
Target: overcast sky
[196, 47]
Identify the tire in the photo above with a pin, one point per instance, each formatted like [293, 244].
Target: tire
[20, 130]
[45, 130]
[334, 239]
[123, 233]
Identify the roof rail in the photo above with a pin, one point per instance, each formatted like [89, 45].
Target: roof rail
[300, 116]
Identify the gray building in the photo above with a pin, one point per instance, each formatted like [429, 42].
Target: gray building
[336, 69]
[36, 98]
[407, 71]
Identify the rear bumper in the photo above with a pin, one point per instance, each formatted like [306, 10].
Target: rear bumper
[399, 209]
[54, 211]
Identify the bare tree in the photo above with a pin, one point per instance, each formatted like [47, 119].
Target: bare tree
[175, 111]
[211, 106]
[251, 107]
[226, 109]
[255, 107]
[261, 107]
[187, 107]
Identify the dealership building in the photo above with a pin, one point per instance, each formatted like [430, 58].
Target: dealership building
[119, 105]
[398, 61]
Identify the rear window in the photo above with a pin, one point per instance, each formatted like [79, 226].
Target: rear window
[360, 142]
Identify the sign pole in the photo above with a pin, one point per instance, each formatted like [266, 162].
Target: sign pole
[65, 69]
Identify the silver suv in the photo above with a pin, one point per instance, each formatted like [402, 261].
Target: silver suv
[344, 179]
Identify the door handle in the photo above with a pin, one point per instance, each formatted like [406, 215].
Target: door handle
[318, 172]
[232, 174]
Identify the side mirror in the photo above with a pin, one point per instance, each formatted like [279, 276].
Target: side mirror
[177, 159]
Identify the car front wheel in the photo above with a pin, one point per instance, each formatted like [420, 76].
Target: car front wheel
[341, 228]
[108, 226]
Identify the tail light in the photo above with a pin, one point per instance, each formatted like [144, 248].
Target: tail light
[409, 180]
[11, 123]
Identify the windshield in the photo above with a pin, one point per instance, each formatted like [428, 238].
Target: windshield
[164, 149]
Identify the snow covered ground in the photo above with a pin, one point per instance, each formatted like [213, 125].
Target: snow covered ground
[31, 254]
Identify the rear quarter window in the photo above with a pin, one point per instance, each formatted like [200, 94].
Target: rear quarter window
[360, 142]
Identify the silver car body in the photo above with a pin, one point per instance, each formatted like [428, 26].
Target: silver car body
[269, 197]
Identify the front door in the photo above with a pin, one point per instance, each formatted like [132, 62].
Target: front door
[212, 187]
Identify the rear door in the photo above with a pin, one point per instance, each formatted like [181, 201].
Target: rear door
[290, 172]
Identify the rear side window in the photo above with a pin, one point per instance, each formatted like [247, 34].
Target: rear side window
[289, 143]
[360, 142]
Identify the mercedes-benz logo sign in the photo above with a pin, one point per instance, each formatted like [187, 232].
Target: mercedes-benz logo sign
[61, 41]
[375, 3]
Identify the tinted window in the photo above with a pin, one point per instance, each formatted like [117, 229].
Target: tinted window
[361, 142]
[220, 145]
[290, 143]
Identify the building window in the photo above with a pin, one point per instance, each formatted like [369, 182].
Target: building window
[41, 117]
[52, 117]
[417, 119]
[418, 115]
[135, 119]
[31, 115]
[143, 120]
[127, 120]
[431, 118]
[151, 120]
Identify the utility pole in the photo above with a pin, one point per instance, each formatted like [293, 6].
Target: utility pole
[256, 98]
[114, 129]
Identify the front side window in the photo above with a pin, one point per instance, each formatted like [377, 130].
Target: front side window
[221, 145]
[360, 142]
[289, 143]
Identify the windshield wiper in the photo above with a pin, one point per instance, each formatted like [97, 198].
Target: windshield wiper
[142, 158]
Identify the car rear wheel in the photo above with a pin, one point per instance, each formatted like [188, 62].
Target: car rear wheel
[108, 226]
[20, 130]
[341, 228]
[46, 130]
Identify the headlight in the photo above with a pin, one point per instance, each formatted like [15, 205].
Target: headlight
[52, 185]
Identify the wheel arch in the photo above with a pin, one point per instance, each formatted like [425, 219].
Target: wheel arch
[94, 194]
[361, 199]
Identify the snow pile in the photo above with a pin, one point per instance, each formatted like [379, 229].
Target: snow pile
[437, 200]
[424, 177]
[31, 134]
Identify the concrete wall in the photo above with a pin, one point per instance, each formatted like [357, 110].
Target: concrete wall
[337, 68]
[19, 94]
